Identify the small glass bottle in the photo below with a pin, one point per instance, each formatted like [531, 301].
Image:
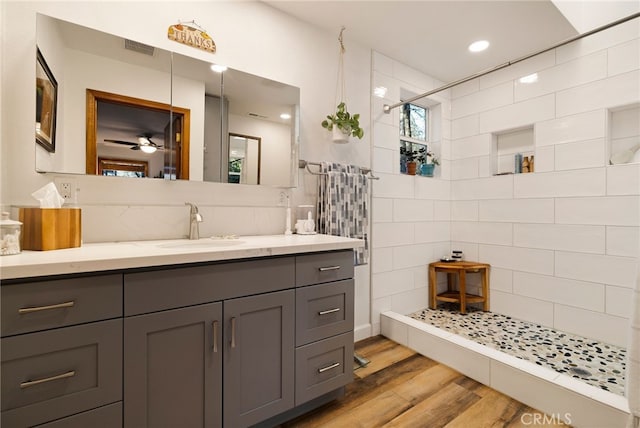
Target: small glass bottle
[518, 163]
[9, 235]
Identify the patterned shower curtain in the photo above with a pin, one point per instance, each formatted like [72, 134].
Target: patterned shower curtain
[343, 204]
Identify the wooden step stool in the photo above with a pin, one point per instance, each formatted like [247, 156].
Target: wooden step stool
[460, 296]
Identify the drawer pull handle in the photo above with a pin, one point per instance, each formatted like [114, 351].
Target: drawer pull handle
[324, 269]
[233, 332]
[214, 327]
[329, 311]
[29, 383]
[332, 366]
[46, 308]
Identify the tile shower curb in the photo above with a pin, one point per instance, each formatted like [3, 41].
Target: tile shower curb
[585, 403]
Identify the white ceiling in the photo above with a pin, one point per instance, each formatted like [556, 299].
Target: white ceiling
[433, 36]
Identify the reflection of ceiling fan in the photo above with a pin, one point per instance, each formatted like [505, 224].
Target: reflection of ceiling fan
[144, 143]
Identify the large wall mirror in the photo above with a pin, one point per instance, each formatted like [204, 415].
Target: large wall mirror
[130, 109]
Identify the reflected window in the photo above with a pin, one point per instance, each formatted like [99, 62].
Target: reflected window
[122, 168]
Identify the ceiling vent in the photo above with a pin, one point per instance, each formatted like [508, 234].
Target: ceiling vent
[139, 47]
[260, 116]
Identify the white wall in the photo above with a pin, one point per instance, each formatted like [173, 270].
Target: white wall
[562, 241]
[275, 146]
[411, 214]
[267, 43]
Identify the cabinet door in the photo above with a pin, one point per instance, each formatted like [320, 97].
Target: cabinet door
[52, 374]
[172, 368]
[259, 357]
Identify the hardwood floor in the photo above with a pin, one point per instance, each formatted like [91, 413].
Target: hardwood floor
[400, 388]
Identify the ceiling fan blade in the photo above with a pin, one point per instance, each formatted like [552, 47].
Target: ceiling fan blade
[127, 143]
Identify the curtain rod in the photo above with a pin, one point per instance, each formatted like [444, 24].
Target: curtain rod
[387, 108]
[304, 164]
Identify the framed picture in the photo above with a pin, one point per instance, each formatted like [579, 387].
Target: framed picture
[46, 102]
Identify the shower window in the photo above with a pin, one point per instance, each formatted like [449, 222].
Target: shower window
[414, 135]
[414, 121]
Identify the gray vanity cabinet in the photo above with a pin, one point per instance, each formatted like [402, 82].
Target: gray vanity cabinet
[324, 323]
[172, 368]
[207, 345]
[196, 334]
[62, 352]
[258, 357]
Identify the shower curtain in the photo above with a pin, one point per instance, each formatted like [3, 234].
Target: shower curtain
[343, 203]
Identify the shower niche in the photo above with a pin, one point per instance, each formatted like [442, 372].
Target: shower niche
[624, 134]
[513, 151]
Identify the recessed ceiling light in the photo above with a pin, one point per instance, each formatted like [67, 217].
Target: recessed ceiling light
[285, 116]
[478, 46]
[218, 68]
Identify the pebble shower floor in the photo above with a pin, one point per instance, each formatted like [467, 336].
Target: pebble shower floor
[595, 363]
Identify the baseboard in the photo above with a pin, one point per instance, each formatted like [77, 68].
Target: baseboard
[362, 332]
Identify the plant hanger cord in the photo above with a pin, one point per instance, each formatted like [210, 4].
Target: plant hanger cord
[341, 82]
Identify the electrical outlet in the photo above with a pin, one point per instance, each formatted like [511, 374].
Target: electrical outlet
[65, 191]
[283, 199]
[67, 188]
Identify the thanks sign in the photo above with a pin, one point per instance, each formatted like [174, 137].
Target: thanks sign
[191, 36]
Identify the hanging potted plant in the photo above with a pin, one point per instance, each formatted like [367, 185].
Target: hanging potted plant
[342, 123]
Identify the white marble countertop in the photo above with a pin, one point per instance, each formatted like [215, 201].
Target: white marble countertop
[136, 254]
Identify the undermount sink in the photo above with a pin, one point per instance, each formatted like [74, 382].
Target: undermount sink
[202, 243]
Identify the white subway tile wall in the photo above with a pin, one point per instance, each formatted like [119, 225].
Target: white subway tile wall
[562, 241]
[410, 214]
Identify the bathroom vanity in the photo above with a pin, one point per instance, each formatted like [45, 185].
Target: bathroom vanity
[184, 334]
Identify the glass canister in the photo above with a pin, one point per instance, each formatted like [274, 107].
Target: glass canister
[9, 235]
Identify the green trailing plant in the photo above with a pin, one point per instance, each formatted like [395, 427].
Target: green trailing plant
[343, 120]
[424, 155]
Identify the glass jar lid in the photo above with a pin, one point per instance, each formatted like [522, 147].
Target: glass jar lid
[6, 221]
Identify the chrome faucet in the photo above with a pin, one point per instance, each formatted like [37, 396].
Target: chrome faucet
[194, 221]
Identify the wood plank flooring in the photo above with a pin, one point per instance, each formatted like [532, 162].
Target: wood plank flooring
[400, 388]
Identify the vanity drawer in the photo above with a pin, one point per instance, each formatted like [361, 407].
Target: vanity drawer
[34, 306]
[324, 267]
[323, 366]
[323, 310]
[103, 417]
[159, 290]
[56, 373]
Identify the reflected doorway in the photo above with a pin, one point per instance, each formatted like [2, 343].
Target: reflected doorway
[244, 159]
[137, 131]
